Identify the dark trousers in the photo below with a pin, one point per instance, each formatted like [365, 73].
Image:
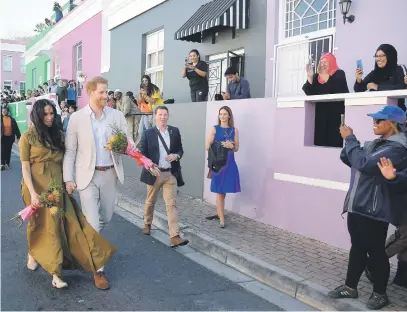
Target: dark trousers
[199, 96]
[368, 237]
[6, 146]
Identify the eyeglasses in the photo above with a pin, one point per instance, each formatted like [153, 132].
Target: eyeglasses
[377, 121]
[379, 56]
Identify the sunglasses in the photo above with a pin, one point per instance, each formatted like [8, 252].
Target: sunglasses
[377, 121]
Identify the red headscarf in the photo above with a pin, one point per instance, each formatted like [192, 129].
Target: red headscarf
[333, 66]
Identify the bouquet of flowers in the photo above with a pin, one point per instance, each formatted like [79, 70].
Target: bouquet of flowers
[49, 198]
[119, 143]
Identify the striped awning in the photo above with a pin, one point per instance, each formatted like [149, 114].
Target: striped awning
[214, 14]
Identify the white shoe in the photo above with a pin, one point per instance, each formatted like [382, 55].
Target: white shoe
[8, 167]
[58, 283]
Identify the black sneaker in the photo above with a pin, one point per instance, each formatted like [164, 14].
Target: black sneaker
[342, 292]
[377, 301]
[3, 168]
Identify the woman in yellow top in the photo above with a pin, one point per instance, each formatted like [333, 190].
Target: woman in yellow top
[54, 242]
[149, 95]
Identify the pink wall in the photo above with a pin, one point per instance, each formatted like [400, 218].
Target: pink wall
[15, 75]
[90, 34]
[272, 141]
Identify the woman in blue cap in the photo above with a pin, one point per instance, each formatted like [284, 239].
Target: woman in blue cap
[370, 202]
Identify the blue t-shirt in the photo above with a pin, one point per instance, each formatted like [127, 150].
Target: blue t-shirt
[71, 94]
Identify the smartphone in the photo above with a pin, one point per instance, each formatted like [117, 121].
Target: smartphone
[342, 119]
[359, 64]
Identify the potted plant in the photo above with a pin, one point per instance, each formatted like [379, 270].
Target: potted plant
[81, 77]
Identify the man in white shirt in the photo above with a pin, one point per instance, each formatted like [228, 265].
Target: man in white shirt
[88, 166]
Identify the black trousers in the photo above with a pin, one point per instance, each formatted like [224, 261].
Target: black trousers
[6, 146]
[368, 237]
[199, 96]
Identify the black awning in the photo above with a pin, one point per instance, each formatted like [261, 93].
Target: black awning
[215, 14]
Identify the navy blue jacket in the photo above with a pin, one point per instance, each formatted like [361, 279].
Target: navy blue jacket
[149, 147]
[370, 194]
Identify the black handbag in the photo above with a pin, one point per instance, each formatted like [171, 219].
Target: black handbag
[177, 173]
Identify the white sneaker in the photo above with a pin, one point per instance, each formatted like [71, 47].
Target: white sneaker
[8, 167]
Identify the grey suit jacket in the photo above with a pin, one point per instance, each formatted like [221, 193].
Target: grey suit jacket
[80, 152]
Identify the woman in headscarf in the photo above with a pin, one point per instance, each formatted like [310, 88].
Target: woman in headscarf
[328, 80]
[387, 75]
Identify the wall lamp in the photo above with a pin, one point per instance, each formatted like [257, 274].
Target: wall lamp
[345, 7]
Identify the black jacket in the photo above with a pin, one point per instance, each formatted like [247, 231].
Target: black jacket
[370, 194]
[395, 82]
[14, 128]
[149, 148]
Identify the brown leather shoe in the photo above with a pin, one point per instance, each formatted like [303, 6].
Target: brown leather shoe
[147, 229]
[100, 280]
[178, 241]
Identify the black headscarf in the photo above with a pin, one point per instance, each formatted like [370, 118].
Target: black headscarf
[384, 74]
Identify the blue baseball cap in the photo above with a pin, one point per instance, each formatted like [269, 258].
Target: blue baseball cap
[392, 113]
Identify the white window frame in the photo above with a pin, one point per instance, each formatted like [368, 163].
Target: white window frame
[57, 68]
[79, 58]
[22, 65]
[48, 70]
[20, 86]
[159, 68]
[9, 83]
[11, 63]
[309, 36]
[34, 77]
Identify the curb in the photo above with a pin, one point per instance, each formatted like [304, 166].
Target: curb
[291, 284]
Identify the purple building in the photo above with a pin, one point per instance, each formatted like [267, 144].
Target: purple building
[12, 68]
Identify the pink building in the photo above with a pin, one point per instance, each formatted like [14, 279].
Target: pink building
[12, 70]
[79, 51]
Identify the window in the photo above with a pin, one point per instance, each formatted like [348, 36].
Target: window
[22, 86]
[155, 57]
[34, 78]
[57, 68]
[7, 63]
[48, 70]
[22, 65]
[306, 16]
[77, 66]
[7, 84]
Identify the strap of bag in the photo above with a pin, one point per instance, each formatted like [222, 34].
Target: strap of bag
[404, 69]
[162, 141]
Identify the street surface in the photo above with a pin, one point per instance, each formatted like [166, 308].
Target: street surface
[145, 274]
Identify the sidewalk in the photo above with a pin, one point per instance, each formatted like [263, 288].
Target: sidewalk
[301, 267]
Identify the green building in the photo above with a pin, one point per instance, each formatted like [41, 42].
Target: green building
[37, 72]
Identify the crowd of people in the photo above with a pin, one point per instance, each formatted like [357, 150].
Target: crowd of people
[378, 187]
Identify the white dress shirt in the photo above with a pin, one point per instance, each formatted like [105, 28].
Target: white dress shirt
[101, 134]
[162, 163]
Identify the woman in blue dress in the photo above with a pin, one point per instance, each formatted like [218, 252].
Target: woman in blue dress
[227, 179]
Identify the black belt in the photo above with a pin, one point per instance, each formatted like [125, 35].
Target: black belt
[98, 168]
[165, 169]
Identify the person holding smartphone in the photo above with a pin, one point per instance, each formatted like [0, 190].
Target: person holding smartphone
[329, 79]
[196, 72]
[386, 76]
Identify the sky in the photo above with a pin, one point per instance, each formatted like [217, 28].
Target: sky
[19, 17]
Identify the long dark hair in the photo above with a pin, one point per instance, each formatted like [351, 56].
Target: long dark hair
[231, 121]
[50, 137]
[151, 87]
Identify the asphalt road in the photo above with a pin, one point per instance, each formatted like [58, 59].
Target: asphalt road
[144, 275]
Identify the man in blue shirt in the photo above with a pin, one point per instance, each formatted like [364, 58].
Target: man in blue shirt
[238, 87]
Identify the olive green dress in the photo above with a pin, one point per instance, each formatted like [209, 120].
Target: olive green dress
[57, 243]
